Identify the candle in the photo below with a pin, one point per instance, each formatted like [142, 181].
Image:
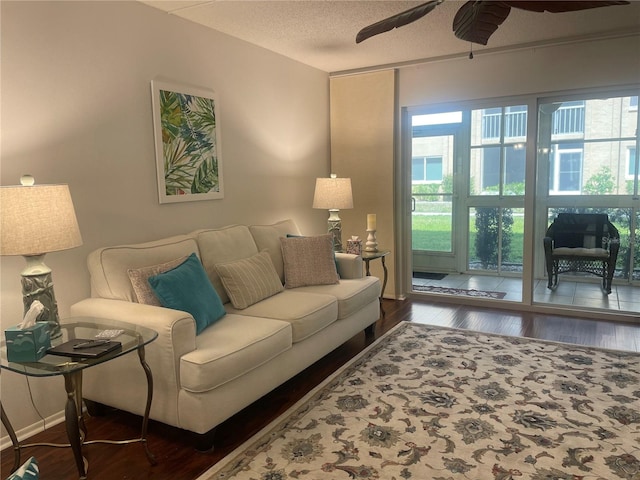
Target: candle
[371, 221]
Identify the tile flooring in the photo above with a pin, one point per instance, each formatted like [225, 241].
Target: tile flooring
[622, 297]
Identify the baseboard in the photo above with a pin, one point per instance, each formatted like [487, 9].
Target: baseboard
[33, 429]
[394, 297]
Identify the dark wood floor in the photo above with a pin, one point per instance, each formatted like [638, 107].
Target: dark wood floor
[178, 460]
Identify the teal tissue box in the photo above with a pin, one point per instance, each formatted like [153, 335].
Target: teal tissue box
[28, 345]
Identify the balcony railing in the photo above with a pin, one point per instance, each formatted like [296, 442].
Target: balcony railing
[566, 120]
[515, 125]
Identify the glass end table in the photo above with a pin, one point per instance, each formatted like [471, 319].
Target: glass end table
[133, 338]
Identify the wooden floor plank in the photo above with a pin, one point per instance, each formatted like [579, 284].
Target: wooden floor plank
[178, 460]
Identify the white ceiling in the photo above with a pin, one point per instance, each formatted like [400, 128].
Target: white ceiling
[321, 33]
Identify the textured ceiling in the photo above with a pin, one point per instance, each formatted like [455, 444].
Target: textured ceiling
[322, 33]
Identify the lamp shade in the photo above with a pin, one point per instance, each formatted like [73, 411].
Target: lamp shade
[333, 193]
[37, 219]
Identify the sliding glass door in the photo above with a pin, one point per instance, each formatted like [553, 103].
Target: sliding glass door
[467, 172]
[469, 184]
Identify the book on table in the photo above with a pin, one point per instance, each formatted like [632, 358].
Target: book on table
[85, 348]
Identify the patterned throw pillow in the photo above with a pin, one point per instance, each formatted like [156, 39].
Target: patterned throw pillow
[28, 471]
[140, 280]
[187, 288]
[249, 280]
[308, 261]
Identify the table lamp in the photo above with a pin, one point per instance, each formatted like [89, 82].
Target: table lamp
[35, 220]
[333, 194]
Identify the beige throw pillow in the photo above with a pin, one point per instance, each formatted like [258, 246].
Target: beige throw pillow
[249, 280]
[140, 280]
[308, 261]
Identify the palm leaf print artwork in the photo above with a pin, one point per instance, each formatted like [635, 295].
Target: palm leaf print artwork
[190, 164]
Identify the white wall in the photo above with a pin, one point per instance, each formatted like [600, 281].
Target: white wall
[595, 63]
[76, 109]
[362, 148]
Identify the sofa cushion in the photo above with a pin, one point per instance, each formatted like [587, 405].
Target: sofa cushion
[267, 237]
[224, 245]
[108, 266]
[140, 280]
[187, 288]
[230, 348]
[308, 261]
[581, 252]
[307, 312]
[249, 280]
[352, 295]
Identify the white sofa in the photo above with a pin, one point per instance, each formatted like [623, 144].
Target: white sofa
[201, 380]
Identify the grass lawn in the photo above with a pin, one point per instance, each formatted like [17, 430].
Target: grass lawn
[433, 233]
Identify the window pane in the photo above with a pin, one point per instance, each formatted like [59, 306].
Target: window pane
[496, 238]
[431, 223]
[490, 168]
[436, 119]
[514, 169]
[488, 125]
[512, 239]
[590, 146]
[498, 151]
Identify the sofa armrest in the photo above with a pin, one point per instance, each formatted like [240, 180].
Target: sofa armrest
[349, 265]
[176, 332]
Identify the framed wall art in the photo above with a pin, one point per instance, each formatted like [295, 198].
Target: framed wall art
[185, 126]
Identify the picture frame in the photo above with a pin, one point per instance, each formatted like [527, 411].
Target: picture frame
[187, 143]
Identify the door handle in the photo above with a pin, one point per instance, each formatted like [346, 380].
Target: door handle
[413, 204]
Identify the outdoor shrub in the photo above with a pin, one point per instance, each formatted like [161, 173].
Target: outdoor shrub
[489, 229]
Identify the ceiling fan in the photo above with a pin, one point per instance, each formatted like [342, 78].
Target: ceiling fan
[477, 20]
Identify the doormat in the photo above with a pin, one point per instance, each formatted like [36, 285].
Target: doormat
[459, 291]
[429, 275]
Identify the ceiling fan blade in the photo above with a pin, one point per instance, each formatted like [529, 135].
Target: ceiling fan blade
[397, 20]
[476, 21]
[561, 6]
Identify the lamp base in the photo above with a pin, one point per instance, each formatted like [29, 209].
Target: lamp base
[40, 287]
[334, 227]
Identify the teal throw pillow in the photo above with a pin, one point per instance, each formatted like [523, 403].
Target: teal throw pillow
[28, 471]
[188, 288]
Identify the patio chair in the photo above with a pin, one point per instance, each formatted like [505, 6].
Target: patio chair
[582, 242]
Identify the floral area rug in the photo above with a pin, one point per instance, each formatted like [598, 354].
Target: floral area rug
[459, 291]
[430, 403]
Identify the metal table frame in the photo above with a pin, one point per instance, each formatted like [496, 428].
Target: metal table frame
[133, 338]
